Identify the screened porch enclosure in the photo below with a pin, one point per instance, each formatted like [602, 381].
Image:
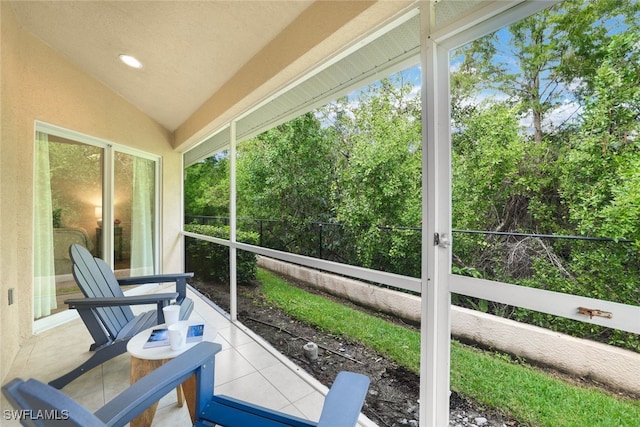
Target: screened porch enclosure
[421, 39]
[442, 150]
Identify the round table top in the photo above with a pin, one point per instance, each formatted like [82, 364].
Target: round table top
[135, 345]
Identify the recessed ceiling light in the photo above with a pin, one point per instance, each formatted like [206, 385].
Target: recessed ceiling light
[130, 61]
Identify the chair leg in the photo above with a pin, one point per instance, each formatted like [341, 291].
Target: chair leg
[98, 358]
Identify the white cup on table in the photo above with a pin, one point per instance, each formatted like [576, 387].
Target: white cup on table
[171, 314]
[177, 336]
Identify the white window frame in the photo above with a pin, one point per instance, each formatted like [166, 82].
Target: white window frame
[437, 282]
[559, 304]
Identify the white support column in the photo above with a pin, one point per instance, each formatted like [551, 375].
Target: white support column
[233, 282]
[435, 325]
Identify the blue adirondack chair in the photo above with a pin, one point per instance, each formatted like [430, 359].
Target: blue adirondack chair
[341, 407]
[106, 312]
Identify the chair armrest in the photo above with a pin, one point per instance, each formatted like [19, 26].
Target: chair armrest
[79, 303]
[341, 408]
[149, 389]
[160, 278]
[344, 401]
[32, 397]
[180, 280]
[229, 411]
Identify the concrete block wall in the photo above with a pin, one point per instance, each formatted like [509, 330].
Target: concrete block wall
[609, 365]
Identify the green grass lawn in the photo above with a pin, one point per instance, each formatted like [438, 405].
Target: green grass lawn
[527, 394]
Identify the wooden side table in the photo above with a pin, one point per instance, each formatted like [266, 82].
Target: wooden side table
[145, 360]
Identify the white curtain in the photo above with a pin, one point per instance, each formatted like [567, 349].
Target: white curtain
[142, 253]
[44, 292]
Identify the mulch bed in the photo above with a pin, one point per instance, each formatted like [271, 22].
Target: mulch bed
[394, 391]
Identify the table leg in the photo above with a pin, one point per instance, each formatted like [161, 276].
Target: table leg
[189, 390]
[140, 368]
[185, 392]
[180, 394]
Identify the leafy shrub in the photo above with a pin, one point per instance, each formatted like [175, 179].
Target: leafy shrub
[210, 261]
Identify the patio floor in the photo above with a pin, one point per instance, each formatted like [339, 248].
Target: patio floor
[247, 368]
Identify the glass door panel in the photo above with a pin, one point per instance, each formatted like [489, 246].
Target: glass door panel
[134, 224]
[89, 193]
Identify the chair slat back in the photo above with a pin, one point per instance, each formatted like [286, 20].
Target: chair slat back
[96, 279]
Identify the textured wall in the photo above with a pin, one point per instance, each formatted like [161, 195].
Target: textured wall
[39, 84]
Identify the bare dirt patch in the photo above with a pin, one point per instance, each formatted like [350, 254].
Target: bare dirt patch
[394, 391]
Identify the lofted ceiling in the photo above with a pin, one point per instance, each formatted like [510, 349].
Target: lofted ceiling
[188, 49]
[192, 49]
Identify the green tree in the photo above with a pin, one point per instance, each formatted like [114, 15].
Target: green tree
[542, 59]
[540, 62]
[487, 160]
[287, 174]
[206, 187]
[380, 171]
[579, 176]
[601, 164]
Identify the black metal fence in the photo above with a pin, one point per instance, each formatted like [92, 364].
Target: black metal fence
[602, 268]
[391, 249]
[395, 249]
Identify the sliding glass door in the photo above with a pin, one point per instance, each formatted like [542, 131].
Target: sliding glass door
[95, 194]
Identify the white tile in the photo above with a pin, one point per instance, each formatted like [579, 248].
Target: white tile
[116, 375]
[311, 405]
[235, 336]
[21, 362]
[87, 390]
[169, 400]
[230, 365]
[67, 345]
[285, 380]
[257, 355]
[244, 369]
[208, 315]
[171, 415]
[216, 323]
[7, 419]
[254, 388]
[292, 410]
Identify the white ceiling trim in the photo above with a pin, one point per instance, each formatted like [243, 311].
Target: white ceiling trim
[215, 143]
[486, 20]
[387, 50]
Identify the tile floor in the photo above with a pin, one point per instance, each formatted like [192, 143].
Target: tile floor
[247, 368]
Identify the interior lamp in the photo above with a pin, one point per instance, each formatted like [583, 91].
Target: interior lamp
[98, 213]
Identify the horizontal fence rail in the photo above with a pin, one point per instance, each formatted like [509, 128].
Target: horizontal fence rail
[477, 278]
[368, 275]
